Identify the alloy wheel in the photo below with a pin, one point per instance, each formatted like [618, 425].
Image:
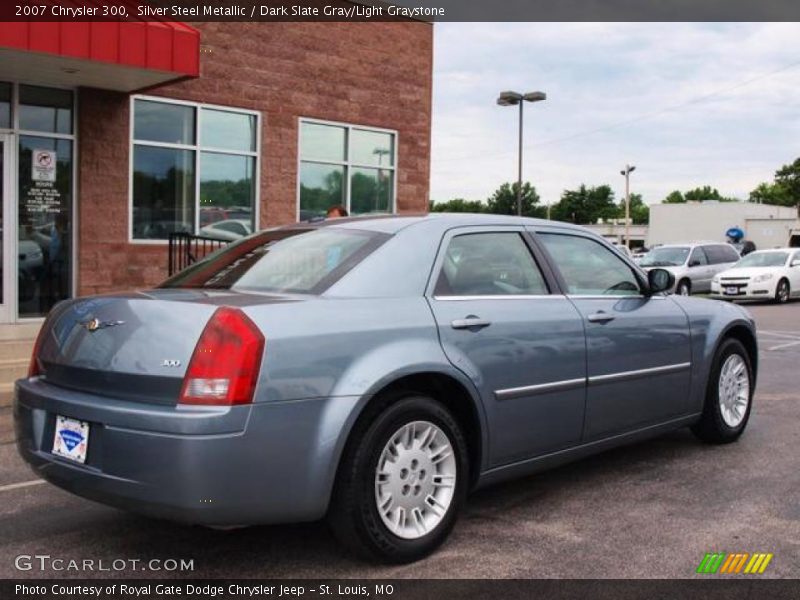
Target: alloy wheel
[734, 390]
[415, 479]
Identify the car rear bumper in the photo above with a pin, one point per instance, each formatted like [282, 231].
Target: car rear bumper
[261, 463]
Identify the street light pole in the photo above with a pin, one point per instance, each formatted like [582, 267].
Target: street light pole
[627, 173]
[511, 99]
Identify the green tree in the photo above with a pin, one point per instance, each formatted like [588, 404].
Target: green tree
[771, 193]
[504, 201]
[706, 192]
[788, 178]
[586, 205]
[458, 205]
[674, 197]
[639, 211]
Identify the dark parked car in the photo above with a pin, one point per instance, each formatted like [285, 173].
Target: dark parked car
[374, 370]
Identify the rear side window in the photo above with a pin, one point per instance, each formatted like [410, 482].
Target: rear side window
[698, 258]
[588, 267]
[721, 254]
[299, 261]
[489, 264]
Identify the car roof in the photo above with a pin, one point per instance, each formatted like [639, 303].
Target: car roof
[767, 250]
[394, 223]
[692, 244]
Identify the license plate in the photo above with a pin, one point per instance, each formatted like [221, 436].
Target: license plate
[732, 290]
[71, 439]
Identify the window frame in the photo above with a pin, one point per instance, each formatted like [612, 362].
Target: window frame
[700, 250]
[197, 148]
[347, 163]
[539, 258]
[638, 274]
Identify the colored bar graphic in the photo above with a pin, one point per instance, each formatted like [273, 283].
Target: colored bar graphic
[734, 563]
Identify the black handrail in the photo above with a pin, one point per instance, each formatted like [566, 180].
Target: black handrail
[186, 249]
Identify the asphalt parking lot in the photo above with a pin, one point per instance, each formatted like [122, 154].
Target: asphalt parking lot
[650, 510]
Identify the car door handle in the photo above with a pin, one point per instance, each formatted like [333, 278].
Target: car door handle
[470, 322]
[600, 317]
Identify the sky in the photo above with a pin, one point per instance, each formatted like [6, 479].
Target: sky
[688, 104]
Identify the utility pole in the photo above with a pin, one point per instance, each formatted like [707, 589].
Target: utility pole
[627, 173]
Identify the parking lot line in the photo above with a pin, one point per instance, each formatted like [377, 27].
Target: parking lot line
[792, 335]
[786, 345]
[22, 484]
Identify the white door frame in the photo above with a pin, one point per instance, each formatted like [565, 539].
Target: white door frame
[8, 308]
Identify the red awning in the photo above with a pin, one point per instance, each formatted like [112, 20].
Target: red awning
[119, 55]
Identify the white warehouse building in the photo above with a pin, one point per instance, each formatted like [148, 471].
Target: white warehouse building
[765, 225]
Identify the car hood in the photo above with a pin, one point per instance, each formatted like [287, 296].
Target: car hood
[749, 271]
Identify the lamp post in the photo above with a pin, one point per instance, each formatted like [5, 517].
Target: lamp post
[512, 99]
[627, 174]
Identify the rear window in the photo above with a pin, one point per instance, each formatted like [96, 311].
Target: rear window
[294, 261]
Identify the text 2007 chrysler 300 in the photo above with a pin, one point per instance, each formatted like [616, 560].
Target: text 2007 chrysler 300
[374, 370]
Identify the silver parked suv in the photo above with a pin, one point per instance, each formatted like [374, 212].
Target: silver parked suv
[694, 265]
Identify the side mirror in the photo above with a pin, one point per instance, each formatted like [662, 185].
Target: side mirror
[660, 280]
[694, 263]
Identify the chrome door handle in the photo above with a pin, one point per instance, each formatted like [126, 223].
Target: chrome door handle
[600, 317]
[470, 322]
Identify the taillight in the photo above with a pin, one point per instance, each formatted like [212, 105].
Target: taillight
[34, 368]
[226, 361]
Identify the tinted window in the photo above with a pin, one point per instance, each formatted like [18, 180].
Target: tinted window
[721, 254]
[590, 268]
[698, 258]
[163, 122]
[45, 109]
[489, 264]
[665, 256]
[299, 261]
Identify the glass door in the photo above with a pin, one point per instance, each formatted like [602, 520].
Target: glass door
[6, 227]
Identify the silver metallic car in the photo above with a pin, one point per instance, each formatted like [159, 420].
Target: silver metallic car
[693, 265]
[374, 370]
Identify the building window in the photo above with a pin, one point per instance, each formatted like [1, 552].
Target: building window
[349, 165]
[193, 167]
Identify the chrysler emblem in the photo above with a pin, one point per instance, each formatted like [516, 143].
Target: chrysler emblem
[96, 324]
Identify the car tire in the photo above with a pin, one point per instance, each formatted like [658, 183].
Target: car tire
[684, 288]
[729, 395]
[782, 292]
[356, 516]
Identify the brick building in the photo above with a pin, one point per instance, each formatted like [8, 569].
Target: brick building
[113, 135]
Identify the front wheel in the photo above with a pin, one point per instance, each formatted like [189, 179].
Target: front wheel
[684, 288]
[729, 395]
[782, 292]
[402, 481]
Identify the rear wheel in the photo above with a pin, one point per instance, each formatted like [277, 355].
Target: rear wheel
[782, 292]
[402, 481]
[684, 287]
[729, 395]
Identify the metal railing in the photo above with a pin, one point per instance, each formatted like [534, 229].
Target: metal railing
[186, 249]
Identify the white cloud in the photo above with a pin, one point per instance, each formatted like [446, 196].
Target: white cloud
[598, 75]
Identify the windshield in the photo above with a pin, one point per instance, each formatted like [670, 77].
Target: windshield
[665, 257]
[762, 259]
[289, 260]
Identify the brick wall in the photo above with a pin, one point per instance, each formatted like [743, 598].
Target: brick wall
[376, 74]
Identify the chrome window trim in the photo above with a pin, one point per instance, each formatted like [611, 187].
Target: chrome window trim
[626, 375]
[541, 388]
[500, 297]
[612, 297]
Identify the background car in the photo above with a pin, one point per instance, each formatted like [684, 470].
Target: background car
[374, 371]
[229, 229]
[761, 275]
[693, 265]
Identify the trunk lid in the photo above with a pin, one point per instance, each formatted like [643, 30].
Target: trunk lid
[133, 346]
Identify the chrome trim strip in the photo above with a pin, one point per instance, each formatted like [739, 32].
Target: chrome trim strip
[500, 297]
[541, 388]
[625, 375]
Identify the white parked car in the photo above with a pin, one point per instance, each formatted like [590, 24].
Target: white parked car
[229, 229]
[761, 275]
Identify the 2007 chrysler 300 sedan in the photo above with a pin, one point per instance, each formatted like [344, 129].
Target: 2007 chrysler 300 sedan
[374, 370]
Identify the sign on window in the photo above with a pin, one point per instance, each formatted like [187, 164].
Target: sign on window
[43, 165]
